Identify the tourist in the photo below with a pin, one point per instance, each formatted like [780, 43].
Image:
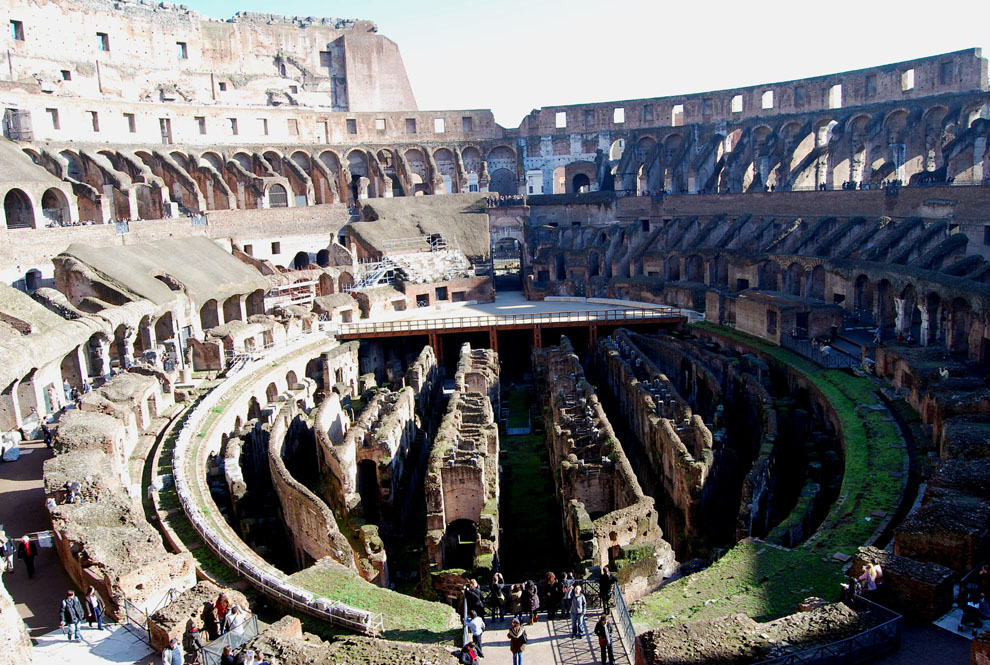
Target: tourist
[579, 605]
[606, 582]
[827, 351]
[531, 601]
[476, 626]
[869, 581]
[910, 338]
[249, 658]
[227, 656]
[468, 655]
[496, 597]
[516, 602]
[878, 336]
[172, 654]
[209, 618]
[6, 552]
[603, 629]
[555, 593]
[71, 614]
[472, 597]
[568, 583]
[94, 608]
[517, 641]
[26, 552]
[983, 579]
[943, 372]
[46, 435]
[221, 606]
[235, 620]
[192, 641]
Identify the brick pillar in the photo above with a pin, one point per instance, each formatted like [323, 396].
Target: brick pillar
[902, 317]
[929, 325]
[979, 651]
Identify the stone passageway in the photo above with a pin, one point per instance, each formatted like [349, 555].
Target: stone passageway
[550, 643]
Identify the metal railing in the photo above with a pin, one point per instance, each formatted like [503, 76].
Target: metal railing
[860, 648]
[835, 359]
[135, 620]
[427, 325]
[235, 639]
[269, 581]
[626, 631]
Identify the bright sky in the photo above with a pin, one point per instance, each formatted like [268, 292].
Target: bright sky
[516, 55]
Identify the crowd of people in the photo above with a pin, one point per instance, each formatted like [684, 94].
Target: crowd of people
[523, 602]
[501, 200]
[975, 606]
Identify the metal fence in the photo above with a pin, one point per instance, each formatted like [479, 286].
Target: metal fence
[885, 636]
[235, 639]
[135, 620]
[626, 631]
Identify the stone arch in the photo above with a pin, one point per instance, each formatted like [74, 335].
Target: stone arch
[580, 183]
[769, 276]
[419, 171]
[616, 149]
[794, 279]
[214, 159]
[694, 268]
[960, 319]
[460, 538]
[931, 323]
[360, 185]
[908, 313]
[255, 303]
[323, 258]
[447, 168]
[594, 264]
[301, 260]
[345, 282]
[232, 309]
[278, 197]
[672, 269]
[271, 392]
[720, 272]
[55, 205]
[816, 283]
[504, 182]
[863, 294]
[74, 165]
[290, 379]
[18, 209]
[325, 285]
[209, 315]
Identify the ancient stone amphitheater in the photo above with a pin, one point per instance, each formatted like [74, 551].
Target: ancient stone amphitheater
[301, 343]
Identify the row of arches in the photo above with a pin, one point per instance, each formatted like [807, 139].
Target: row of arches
[21, 208]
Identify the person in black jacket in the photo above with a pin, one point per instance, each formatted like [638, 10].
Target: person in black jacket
[26, 552]
[72, 614]
[606, 581]
[603, 629]
[472, 595]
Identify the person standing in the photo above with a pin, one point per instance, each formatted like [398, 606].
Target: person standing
[172, 654]
[26, 552]
[472, 596]
[6, 552]
[476, 626]
[603, 629]
[72, 614]
[210, 623]
[221, 607]
[606, 582]
[496, 597]
[568, 583]
[579, 605]
[94, 607]
[517, 641]
[192, 641]
[532, 595]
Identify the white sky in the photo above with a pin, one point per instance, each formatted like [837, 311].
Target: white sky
[516, 55]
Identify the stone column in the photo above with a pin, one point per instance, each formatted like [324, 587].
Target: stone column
[929, 325]
[101, 353]
[902, 317]
[127, 346]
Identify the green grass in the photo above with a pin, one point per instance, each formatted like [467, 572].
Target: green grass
[766, 582]
[518, 402]
[406, 618]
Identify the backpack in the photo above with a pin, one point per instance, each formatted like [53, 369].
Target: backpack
[497, 595]
[468, 657]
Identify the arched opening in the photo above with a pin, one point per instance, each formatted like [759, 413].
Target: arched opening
[885, 304]
[346, 282]
[594, 264]
[816, 286]
[721, 272]
[960, 320]
[793, 279]
[254, 409]
[694, 268]
[54, 206]
[503, 181]
[672, 269]
[277, 197]
[32, 279]
[560, 267]
[616, 150]
[581, 183]
[325, 285]
[18, 210]
[323, 258]
[368, 489]
[209, 316]
[301, 260]
[559, 180]
[769, 277]
[271, 392]
[71, 371]
[314, 371]
[459, 542]
[232, 309]
[290, 379]
[507, 259]
[863, 295]
[256, 303]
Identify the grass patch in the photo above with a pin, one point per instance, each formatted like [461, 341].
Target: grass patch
[406, 618]
[766, 582]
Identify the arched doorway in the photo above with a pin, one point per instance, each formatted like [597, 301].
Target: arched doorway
[459, 543]
[54, 206]
[18, 209]
[504, 182]
[581, 183]
[301, 260]
[277, 197]
[368, 489]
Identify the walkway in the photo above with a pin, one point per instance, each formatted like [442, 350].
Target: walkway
[550, 643]
[22, 511]
[114, 644]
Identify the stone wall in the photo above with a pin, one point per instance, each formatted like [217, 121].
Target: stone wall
[15, 643]
[921, 591]
[462, 481]
[590, 467]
